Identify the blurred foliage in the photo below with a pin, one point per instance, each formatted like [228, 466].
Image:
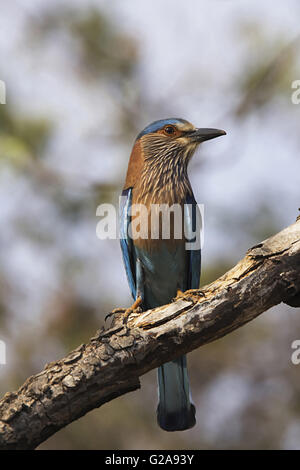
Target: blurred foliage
[272, 71]
[99, 53]
[22, 139]
[100, 49]
[73, 319]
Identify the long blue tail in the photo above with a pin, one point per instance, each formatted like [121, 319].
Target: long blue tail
[175, 411]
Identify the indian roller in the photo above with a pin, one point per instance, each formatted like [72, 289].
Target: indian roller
[159, 268]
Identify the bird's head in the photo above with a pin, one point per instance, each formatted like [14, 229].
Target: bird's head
[166, 143]
[169, 138]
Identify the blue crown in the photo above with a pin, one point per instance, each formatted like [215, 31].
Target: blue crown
[156, 125]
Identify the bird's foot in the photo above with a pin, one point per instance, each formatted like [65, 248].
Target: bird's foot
[119, 312]
[135, 308]
[191, 295]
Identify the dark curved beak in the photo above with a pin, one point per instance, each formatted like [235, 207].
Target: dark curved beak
[202, 134]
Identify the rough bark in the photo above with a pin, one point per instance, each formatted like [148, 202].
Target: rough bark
[111, 363]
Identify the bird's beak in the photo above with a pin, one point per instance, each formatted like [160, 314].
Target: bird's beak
[202, 134]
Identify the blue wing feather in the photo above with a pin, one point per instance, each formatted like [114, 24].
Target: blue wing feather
[126, 241]
[193, 222]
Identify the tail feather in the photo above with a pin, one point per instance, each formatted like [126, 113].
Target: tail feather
[175, 411]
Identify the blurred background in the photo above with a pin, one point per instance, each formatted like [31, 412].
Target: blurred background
[82, 79]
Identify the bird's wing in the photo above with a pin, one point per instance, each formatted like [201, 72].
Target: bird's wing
[126, 241]
[192, 223]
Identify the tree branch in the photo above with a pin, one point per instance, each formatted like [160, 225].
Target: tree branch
[112, 362]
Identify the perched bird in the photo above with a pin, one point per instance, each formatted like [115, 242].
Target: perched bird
[159, 268]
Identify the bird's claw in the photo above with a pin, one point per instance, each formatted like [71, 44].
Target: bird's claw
[126, 312]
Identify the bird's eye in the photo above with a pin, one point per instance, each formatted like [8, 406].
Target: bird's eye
[169, 130]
